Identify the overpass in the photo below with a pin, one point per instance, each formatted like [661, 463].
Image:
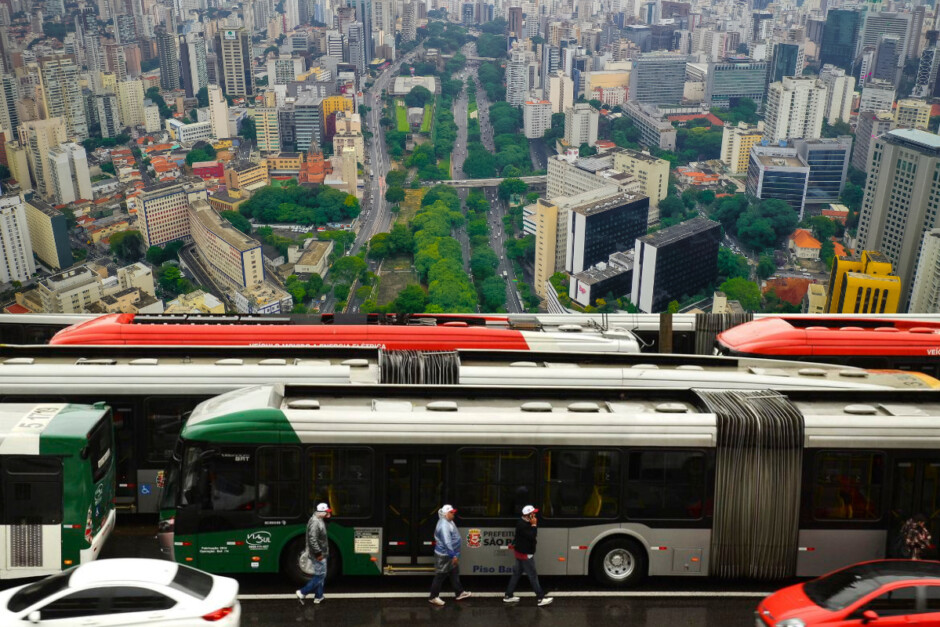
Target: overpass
[530, 180]
[481, 58]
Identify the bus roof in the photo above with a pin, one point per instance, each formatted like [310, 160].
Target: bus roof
[596, 417]
[23, 425]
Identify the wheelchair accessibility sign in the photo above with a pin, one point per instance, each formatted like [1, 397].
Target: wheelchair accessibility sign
[145, 489]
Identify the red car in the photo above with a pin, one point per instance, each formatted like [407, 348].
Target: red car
[884, 593]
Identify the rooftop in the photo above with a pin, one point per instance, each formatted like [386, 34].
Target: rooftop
[37, 203]
[680, 231]
[606, 204]
[914, 136]
[598, 273]
[780, 161]
[212, 221]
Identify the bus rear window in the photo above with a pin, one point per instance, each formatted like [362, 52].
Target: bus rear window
[101, 448]
[192, 581]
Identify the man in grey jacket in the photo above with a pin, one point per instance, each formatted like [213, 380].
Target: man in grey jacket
[446, 556]
[318, 551]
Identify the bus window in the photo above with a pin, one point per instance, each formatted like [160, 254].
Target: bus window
[848, 485]
[581, 484]
[666, 485]
[32, 490]
[495, 483]
[278, 478]
[341, 477]
[231, 476]
[165, 417]
[100, 449]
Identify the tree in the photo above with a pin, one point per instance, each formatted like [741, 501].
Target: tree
[418, 96]
[673, 307]
[346, 269]
[745, 292]
[248, 129]
[237, 220]
[480, 162]
[731, 266]
[396, 178]
[203, 153]
[827, 252]
[394, 194]
[108, 167]
[127, 245]
[766, 266]
[671, 206]
[412, 299]
[494, 293]
[154, 95]
[512, 187]
[155, 255]
[585, 150]
[823, 228]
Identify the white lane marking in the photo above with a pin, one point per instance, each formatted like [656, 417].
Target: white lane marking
[493, 595]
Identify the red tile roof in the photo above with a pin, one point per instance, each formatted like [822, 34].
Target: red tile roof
[790, 289]
[804, 239]
[16, 308]
[711, 117]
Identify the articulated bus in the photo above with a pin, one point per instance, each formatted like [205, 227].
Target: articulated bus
[754, 483]
[151, 396]
[56, 486]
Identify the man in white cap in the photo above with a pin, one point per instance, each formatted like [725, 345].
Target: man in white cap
[523, 546]
[446, 556]
[318, 550]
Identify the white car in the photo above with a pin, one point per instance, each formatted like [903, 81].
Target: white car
[124, 592]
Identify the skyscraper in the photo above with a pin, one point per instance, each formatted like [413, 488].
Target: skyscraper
[840, 89]
[787, 60]
[163, 213]
[409, 22]
[130, 96]
[68, 167]
[795, 108]
[218, 112]
[517, 77]
[109, 117]
[39, 136]
[233, 47]
[16, 253]
[658, 78]
[169, 62]
[63, 95]
[364, 15]
[840, 38]
[733, 79]
[9, 95]
[193, 68]
[901, 199]
[581, 125]
[357, 47]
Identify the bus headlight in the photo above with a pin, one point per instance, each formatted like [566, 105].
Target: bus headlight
[791, 622]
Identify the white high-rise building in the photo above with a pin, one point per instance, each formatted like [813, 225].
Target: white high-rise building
[39, 136]
[283, 70]
[16, 252]
[68, 167]
[839, 91]
[131, 102]
[560, 91]
[925, 293]
[877, 95]
[581, 125]
[218, 112]
[536, 117]
[795, 108]
[409, 22]
[517, 79]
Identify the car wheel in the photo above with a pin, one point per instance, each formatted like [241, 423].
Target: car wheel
[619, 563]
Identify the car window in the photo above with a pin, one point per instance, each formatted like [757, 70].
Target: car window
[932, 596]
[192, 581]
[35, 592]
[75, 605]
[897, 602]
[839, 590]
[123, 599]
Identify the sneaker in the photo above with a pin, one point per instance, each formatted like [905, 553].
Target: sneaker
[300, 596]
[319, 600]
[510, 599]
[464, 595]
[436, 601]
[545, 601]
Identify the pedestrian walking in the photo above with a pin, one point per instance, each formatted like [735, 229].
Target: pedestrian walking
[523, 546]
[318, 552]
[446, 557]
[916, 536]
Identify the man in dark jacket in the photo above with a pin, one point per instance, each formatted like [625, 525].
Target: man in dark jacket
[523, 546]
[318, 552]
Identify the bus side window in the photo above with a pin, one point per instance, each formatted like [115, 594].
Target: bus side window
[165, 416]
[278, 478]
[341, 477]
[848, 485]
[581, 484]
[32, 490]
[666, 485]
[495, 483]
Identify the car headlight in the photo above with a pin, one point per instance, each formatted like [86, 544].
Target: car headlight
[791, 622]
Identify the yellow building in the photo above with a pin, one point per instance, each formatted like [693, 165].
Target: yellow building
[543, 216]
[48, 234]
[912, 113]
[267, 129]
[863, 285]
[814, 302]
[195, 302]
[653, 173]
[736, 144]
[229, 200]
[289, 161]
[332, 104]
[246, 175]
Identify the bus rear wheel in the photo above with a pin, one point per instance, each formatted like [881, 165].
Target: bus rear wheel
[292, 562]
[618, 563]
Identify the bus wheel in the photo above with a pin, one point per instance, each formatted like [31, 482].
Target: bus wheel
[292, 561]
[618, 563]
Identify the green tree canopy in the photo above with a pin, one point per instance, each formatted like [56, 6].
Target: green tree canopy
[512, 187]
[494, 294]
[412, 299]
[418, 97]
[744, 291]
[394, 194]
[238, 221]
[766, 266]
[127, 245]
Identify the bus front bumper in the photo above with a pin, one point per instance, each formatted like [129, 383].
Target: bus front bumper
[97, 542]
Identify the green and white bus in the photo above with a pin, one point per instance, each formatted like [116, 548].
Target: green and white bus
[56, 486]
[630, 483]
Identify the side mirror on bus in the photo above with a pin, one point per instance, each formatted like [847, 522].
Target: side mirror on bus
[84, 453]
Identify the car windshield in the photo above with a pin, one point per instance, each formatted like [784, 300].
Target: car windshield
[840, 589]
[33, 593]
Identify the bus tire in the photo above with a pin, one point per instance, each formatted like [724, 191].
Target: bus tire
[619, 563]
[291, 562]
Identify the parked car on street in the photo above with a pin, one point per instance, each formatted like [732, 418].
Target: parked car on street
[124, 592]
[884, 592]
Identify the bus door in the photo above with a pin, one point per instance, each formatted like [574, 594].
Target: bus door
[125, 466]
[414, 492]
[915, 490]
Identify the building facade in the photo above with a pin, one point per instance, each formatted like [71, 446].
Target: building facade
[48, 234]
[733, 79]
[776, 172]
[68, 167]
[795, 108]
[233, 50]
[925, 292]
[536, 118]
[232, 257]
[658, 78]
[163, 213]
[598, 228]
[736, 144]
[865, 284]
[581, 122]
[16, 251]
